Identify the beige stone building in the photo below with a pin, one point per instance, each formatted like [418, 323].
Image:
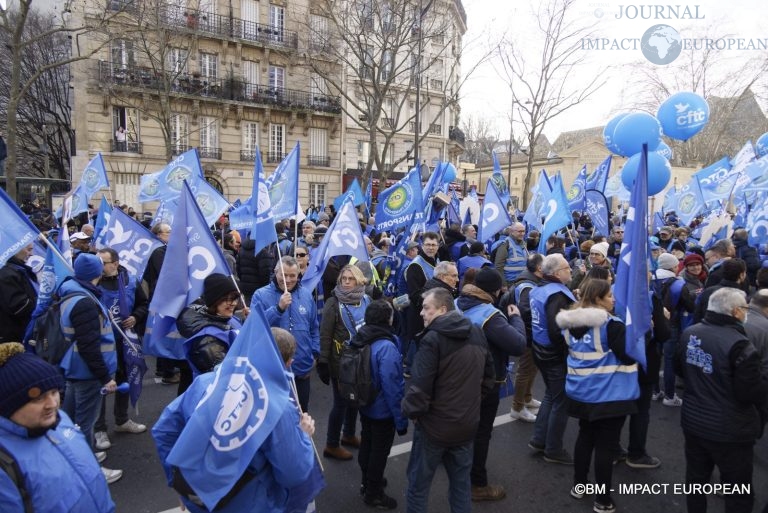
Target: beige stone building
[222, 76]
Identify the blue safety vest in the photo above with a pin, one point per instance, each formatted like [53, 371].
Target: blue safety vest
[429, 269]
[353, 316]
[595, 374]
[538, 298]
[480, 314]
[516, 258]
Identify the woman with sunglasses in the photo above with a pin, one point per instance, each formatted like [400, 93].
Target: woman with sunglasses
[343, 315]
[210, 328]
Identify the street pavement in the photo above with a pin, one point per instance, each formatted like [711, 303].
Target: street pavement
[532, 485]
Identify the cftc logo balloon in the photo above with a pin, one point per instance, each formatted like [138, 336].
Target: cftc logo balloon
[683, 115]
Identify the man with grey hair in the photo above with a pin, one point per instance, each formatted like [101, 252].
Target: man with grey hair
[512, 254]
[725, 390]
[290, 306]
[756, 325]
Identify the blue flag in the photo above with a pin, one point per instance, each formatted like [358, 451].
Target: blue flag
[741, 205]
[168, 183]
[453, 209]
[369, 195]
[555, 212]
[494, 216]
[132, 241]
[75, 203]
[192, 255]
[262, 222]
[757, 221]
[575, 194]
[237, 413]
[401, 204]
[165, 212]
[670, 200]
[614, 187]
[283, 186]
[597, 208]
[55, 269]
[599, 177]
[344, 237]
[658, 222]
[533, 213]
[433, 184]
[105, 209]
[94, 177]
[690, 202]
[16, 230]
[498, 179]
[754, 178]
[473, 193]
[210, 201]
[241, 218]
[354, 192]
[633, 303]
[716, 181]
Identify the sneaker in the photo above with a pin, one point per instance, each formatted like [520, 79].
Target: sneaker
[351, 441]
[536, 447]
[488, 493]
[562, 457]
[657, 396]
[533, 404]
[525, 415]
[577, 493]
[130, 427]
[102, 440]
[674, 401]
[100, 456]
[599, 507]
[337, 453]
[380, 501]
[644, 462]
[111, 475]
[170, 380]
[407, 374]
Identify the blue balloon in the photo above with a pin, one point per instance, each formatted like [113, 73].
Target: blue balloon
[664, 150]
[683, 115]
[659, 172]
[761, 146]
[609, 129]
[450, 173]
[635, 130]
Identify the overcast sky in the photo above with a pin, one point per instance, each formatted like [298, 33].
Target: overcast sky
[488, 95]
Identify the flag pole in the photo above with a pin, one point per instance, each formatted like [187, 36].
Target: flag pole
[298, 407]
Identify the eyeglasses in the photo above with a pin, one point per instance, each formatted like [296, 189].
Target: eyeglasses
[563, 269]
[110, 262]
[301, 255]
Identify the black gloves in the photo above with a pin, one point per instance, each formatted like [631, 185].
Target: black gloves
[324, 372]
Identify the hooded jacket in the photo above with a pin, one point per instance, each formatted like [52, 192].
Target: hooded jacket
[18, 298]
[209, 336]
[451, 372]
[387, 373]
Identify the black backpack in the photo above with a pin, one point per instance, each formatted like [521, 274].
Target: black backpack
[47, 335]
[355, 376]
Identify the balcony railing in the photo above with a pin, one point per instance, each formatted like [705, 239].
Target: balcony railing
[319, 161]
[127, 147]
[388, 123]
[436, 84]
[455, 134]
[435, 129]
[229, 27]
[122, 5]
[208, 152]
[247, 155]
[275, 157]
[213, 87]
[412, 126]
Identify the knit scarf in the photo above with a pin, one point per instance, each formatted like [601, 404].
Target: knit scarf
[352, 296]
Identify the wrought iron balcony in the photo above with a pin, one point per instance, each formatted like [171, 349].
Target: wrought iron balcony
[319, 161]
[126, 147]
[247, 155]
[435, 129]
[178, 149]
[229, 27]
[208, 152]
[456, 135]
[274, 157]
[213, 87]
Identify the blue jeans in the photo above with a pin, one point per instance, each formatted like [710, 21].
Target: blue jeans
[425, 457]
[552, 418]
[340, 414]
[82, 402]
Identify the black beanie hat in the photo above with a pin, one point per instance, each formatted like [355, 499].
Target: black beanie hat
[24, 377]
[488, 279]
[215, 287]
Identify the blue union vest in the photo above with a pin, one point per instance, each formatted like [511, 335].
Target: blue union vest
[538, 298]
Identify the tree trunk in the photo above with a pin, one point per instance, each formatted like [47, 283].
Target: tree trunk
[11, 128]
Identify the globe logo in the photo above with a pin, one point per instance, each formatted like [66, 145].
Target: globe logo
[661, 44]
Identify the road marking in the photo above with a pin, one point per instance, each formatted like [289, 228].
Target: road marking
[405, 448]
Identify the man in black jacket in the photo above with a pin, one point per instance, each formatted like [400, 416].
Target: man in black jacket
[733, 272]
[18, 295]
[724, 390]
[452, 371]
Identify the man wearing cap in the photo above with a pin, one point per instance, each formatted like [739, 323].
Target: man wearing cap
[665, 238]
[55, 465]
[506, 337]
[81, 243]
[476, 258]
[18, 295]
[91, 361]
